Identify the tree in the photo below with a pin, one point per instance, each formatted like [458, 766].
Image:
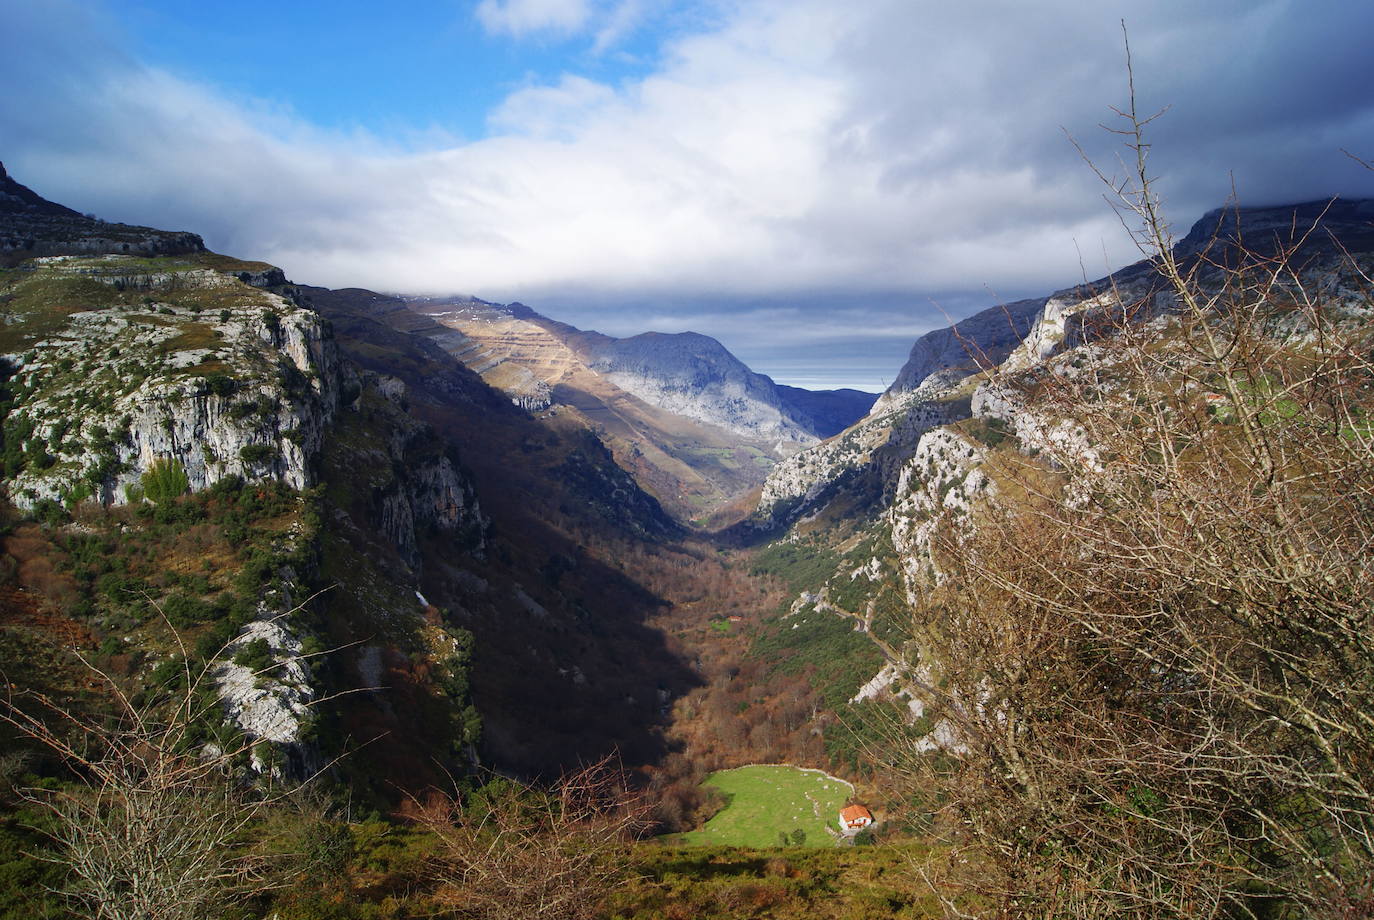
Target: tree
[153, 828]
[512, 850]
[1158, 639]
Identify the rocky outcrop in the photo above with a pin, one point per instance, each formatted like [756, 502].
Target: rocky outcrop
[106, 394]
[268, 695]
[877, 445]
[968, 357]
[1064, 337]
[943, 475]
[407, 483]
[946, 356]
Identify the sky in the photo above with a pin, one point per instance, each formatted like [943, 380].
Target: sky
[816, 183]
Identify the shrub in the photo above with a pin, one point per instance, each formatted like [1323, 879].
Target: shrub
[255, 655]
[164, 480]
[183, 610]
[220, 384]
[255, 454]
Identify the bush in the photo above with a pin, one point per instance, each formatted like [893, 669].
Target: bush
[164, 480]
[256, 454]
[243, 409]
[183, 610]
[255, 655]
[220, 384]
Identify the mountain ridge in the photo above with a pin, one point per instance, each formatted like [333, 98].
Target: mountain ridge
[936, 385]
[691, 421]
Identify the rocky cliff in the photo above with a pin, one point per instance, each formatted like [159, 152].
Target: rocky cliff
[936, 386]
[119, 364]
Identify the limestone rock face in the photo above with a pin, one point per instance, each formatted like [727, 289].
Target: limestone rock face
[877, 445]
[244, 387]
[270, 703]
[434, 495]
[693, 375]
[408, 482]
[942, 475]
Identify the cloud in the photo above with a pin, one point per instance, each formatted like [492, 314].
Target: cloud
[622, 19]
[520, 18]
[805, 152]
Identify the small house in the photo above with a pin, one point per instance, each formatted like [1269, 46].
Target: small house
[854, 818]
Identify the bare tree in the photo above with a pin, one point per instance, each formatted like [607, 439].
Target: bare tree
[1158, 640]
[514, 850]
[154, 828]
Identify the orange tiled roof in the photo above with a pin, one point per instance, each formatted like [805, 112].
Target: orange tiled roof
[851, 814]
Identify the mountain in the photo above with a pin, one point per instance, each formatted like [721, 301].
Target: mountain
[695, 376]
[208, 467]
[961, 424]
[937, 384]
[826, 412]
[696, 426]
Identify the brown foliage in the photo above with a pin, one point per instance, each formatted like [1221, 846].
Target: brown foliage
[1159, 642]
[512, 850]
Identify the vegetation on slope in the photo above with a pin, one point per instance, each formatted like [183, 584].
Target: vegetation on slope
[1155, 641]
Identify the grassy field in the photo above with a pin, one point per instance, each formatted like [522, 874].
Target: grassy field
[768, 803]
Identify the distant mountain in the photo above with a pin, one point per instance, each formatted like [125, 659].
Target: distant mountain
[826, 412]
[697, 427]
[695, 376]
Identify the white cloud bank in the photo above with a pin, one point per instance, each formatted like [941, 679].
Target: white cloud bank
[799, 148]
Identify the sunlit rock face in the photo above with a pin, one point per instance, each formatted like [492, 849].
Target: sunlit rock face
[197, 369]
[695, 376]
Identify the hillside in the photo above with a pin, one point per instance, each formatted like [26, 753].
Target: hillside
[936, 385]
[1113, 565]
[158, 394]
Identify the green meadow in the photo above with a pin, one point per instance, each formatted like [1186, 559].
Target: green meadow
[773, 805]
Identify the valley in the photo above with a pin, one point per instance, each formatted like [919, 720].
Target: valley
[467, 580]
